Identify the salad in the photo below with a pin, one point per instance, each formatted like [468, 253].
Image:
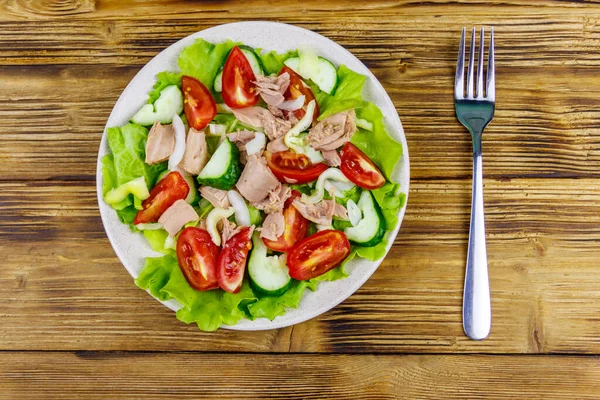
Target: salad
[257, 175]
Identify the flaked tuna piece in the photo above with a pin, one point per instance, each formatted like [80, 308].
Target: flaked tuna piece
[241, 138]
[276, 112]
[274, 127]
[333, 132]
[272, 88]
[275, 201]
[320, 213]
[230, 229]
[256, 180]
[160, 144]
[340, 212]
[273, 226]
[251, 116]
[176, 216]
[217, 197]
[332, 158]
[196, 154]
[277, 145]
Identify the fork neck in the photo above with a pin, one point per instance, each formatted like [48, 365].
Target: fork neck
[476, 138]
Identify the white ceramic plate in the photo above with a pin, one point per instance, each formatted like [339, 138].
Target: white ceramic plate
[132, 248]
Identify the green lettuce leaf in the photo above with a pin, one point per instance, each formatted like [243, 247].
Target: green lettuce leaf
[163, 79]
[273, 61]
[157, 238]
[202, 60]
[347, 95]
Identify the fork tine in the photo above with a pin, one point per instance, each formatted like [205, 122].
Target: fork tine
[459, 81]
[471, 70]
[491, 73]
[480, 66]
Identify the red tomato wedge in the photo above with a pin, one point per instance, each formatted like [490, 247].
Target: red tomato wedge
[232, 261]
[295, 228]
[239, 90]
[290, 167]
[317, 254]
[162, 196]
[198, 104]
[296, 89]
[359, 168]
[197, 256]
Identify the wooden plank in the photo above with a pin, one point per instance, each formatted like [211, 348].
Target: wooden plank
[62, 288]
[92, 375]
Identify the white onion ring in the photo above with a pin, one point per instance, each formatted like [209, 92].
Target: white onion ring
[179, 149]
[292, 105]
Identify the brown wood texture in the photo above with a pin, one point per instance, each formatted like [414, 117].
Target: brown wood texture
[73, 320]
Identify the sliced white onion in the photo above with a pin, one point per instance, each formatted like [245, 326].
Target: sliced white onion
[217, 129]
[332, 174]
[149, 227]
[292, 105]
[223, 108]
[300, 126]
[170, 242]
[179, 149]
[324, 227]
[242, 215]
[257, 144]
[213, 218]
[338, 188]
[354, 213]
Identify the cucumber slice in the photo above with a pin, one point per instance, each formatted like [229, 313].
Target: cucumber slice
[136, 187]
[371, 228]
[269, 276]
[168, 104]
[223, 169]
[324, 74]
[252, 58]
[193, 196]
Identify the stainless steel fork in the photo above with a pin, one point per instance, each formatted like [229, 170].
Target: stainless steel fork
[475, 110]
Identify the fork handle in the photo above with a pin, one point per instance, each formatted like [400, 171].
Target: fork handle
[477, 313]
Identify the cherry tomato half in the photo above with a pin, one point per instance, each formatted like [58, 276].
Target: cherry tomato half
[296, 89]
[197, 256]
[198, 103]
[239, 90]
[317, 254]
[290, 167]
[359, 168]
[295, 227]
[232, 261]
[162, 196]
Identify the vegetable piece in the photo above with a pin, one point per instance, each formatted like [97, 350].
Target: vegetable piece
[364, 124]
[268, 275]
[197, 256]
[242, 215]
[357, 167]
[149, 227]
[136, 187]
[193, 196]
[257, 144]
[232, 260]
[319, 70]
[317, 254]
[252, 58]
[300, 126]
[199, 106]
[218, 83]
[179, 149]
[295, 228]
[332, 174]
[238, 87]
[224, 168]
[168, 104]
[213, 218]
[292, 105]
[371, 228]
[354, 213]
[162, 196]
[290, 167]
[297, 89]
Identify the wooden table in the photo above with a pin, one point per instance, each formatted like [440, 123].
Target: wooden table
[74, 325]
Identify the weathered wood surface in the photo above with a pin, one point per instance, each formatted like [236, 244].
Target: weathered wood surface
[64, 63]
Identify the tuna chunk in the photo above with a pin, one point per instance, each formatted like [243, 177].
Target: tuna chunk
[257, 180]
[160, 144]
[277, 145]
[333, 131]
[340, 212]
[274, 127]
[272, 88]
[275, 201]
[251, 116]
[332, 158]
[176, 216]
[241, 138]
[217, 197]
[320, 213]
[273, 226]
[196, 152]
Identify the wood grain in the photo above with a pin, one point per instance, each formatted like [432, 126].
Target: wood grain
[239, 376]
[543, 256]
